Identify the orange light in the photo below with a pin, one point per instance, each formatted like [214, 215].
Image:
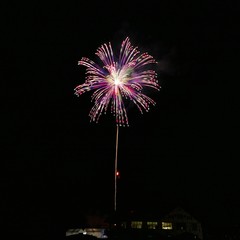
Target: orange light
[117, 173]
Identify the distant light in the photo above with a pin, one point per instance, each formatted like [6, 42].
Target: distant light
[166, 225]
[117, 173]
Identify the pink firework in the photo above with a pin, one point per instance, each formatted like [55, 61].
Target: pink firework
[118, 80]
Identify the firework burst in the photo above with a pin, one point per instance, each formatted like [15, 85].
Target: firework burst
[117, 80]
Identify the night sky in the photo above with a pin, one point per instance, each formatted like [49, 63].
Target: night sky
[57, 165]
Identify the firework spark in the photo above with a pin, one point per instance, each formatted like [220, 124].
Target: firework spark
[118, 80]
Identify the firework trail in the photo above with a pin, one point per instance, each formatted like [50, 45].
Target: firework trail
[118, 80]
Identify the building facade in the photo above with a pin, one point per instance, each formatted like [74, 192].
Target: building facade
[177, 224]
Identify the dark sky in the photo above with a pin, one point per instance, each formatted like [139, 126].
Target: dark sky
[57, 165]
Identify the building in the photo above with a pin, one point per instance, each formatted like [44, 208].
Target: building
[179, 221]
[177, 224]
[95, 225]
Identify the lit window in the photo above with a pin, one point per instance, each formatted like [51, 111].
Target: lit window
[152, 225]
[166, 225]
[136, 224]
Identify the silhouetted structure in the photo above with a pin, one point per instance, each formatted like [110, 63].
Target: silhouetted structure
[177, 224]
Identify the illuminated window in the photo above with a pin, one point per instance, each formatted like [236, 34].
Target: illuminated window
[166, 225]
[152, 225]
[136, 224]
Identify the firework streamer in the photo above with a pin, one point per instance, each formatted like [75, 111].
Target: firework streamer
[118, 80]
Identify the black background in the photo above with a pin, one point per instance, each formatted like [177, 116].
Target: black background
[57, 165]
